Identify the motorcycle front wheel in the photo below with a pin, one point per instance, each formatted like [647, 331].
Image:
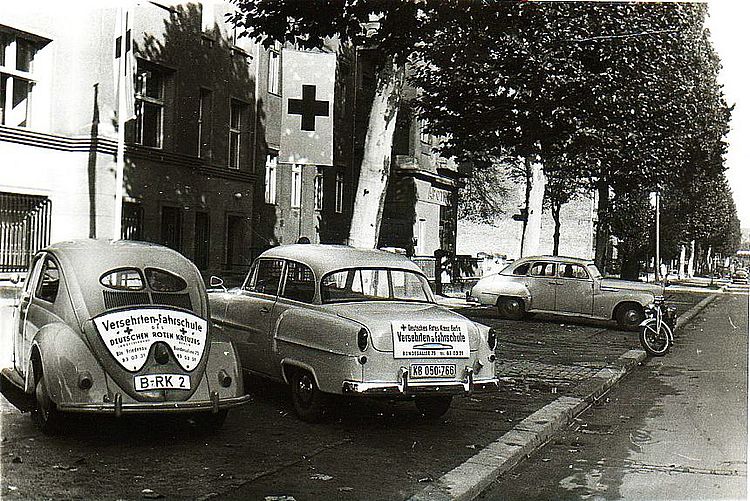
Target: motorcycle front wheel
[655, 343]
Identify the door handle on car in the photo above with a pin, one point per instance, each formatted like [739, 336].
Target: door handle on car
[264, 310]
[553, 283]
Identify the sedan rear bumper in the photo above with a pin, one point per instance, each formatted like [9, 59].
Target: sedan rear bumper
[405, 387]
[117, 407]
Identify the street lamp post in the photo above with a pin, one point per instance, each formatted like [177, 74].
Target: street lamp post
[657, 263]
[657, 274]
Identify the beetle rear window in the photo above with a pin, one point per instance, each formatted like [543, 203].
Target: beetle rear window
[124, 279]
[164, 281]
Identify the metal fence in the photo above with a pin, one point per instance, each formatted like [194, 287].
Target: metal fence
[24, 229]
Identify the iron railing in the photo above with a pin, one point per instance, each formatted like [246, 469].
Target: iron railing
[24, 229]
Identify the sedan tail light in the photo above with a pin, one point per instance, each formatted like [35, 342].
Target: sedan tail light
[362, 339]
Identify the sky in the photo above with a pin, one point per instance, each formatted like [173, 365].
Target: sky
[729, 23]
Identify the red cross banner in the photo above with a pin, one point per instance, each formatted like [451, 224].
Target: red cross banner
[124, 64]
[307, 107]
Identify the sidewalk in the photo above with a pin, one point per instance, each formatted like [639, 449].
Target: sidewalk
[468, 480]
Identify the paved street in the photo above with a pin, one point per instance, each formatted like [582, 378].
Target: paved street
[264, 450]
[674, 429]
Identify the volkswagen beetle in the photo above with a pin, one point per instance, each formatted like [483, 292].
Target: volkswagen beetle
[564, 286]
[120, 327]
[330, 319]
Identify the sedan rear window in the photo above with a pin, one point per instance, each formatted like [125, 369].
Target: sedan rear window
[164, 281]
[124, 279]
[373, 284]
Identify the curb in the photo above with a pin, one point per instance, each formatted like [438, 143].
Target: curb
[683, 319]
[470, 479]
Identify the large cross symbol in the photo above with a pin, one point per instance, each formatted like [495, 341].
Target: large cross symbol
[308, 107]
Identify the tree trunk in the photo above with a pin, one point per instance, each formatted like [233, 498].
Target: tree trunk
[367, 213]
[691, 260]
[533, 231]
[556, 207]
[631, 265]
[681, 272]
[602, 227]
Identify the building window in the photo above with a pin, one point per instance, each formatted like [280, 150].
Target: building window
[149, 105]
[204, 123]
[339, 192]
[274, 70]
[271, 167]
[296, 186]
[171, 227]
[318, 189]
[200, 252]
[17, 55]
[132, 221]
[424, 136]
[237, 117]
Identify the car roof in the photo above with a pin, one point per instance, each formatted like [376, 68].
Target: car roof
[97, 256]
[563, 259]
[325, 258]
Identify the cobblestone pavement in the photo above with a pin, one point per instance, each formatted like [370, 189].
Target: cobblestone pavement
[365, 450]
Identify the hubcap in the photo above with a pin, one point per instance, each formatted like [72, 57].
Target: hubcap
[305, 388]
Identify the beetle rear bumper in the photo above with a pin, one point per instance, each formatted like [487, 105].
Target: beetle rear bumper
[117, 407]
[405, 387]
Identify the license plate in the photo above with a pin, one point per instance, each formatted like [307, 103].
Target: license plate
[418, 371]
[162, 382]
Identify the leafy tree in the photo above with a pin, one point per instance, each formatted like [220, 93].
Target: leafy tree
[393, 30]
[627, 92]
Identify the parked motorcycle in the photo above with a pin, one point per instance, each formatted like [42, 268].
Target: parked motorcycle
[657, 330]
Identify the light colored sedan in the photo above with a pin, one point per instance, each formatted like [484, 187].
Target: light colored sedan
[564, 286]
[330, 319]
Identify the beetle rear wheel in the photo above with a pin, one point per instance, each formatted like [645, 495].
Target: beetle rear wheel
[210, 421]
[433, 407]
[309, 402]
[655, 343]
[45, 413]
[511, 307]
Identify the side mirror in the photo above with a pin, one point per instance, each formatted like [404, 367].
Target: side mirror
[216, 282]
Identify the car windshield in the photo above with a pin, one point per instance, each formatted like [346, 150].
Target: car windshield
[373, 284]
[594, 271]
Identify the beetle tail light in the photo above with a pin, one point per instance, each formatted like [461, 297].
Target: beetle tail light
[362, 339]
[492, 339]
[224, 379]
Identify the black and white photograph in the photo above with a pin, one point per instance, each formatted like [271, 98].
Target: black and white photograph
[418, 250]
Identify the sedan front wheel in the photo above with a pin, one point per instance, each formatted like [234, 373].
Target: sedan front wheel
[630, 316]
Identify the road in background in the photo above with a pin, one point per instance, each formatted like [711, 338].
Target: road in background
[673, 429]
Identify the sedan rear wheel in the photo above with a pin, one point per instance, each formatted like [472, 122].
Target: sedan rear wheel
[309, 402]
[511, 307]
[433, 407]
[45, 413]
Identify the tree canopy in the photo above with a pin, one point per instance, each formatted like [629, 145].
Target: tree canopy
[623, 97]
